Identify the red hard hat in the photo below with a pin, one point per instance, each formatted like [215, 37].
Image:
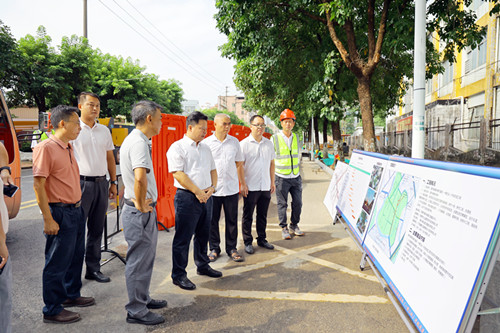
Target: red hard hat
[287, 113]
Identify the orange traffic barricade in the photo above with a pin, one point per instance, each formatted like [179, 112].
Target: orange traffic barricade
[173, 129]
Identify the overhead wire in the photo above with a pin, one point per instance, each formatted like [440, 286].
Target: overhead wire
[161, 51]
[172, 43]
[166, 47]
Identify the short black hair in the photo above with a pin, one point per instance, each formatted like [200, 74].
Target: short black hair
[256, 116]
[142, 109]
[194, 118]
[62, 112]
[83, 95]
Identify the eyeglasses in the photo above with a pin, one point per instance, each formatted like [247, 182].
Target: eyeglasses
[261, 126]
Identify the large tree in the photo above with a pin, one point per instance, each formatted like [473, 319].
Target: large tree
[9, 57]
[76, 56]
[39, 78]
[373, 39]
[122, 82]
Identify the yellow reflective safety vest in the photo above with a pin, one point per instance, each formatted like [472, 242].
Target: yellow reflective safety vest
[286, 161]
[45, 136]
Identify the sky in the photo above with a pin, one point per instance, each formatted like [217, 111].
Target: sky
[174, 39]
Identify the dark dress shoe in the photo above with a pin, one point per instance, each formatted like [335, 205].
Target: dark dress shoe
[63, 317]
[265, 244]
[150, 318]
[156, 304]
[81, 302]
[210, 272]
[98, 276]
[184, 283]
[249, 249]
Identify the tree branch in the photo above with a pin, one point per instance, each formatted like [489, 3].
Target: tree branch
[380, 38]
[371, 29]
[333, 35]
[353, 49]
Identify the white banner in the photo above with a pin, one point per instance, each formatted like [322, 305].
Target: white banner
[336, 188]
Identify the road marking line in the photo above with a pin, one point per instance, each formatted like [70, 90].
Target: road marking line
[288, 255]
[281, 295]
[32, 205]
[26, 202]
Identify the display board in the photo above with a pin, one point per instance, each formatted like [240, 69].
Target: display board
[336, 187]
[360, 186]
[429, 229]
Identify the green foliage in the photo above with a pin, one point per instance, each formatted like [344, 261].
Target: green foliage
[211, 113]
[9, 56]
[76, 56]
[25, 146]
[38, 75]
[288, 57]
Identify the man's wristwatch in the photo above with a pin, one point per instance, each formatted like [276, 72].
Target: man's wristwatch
[213, 188]
[114, 182]
[6, 168]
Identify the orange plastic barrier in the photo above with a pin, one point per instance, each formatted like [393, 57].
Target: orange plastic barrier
[210, 128]
[173, 129]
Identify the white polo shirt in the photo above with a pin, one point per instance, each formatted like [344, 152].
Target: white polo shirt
[195, 160]
[257, 157]
[225, 154]
[288, 141]
[91, 147]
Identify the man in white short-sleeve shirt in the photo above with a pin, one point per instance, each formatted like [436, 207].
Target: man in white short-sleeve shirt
[195, 177]
[226, 152]
[258, 163]
[94, 153]
[139, 215]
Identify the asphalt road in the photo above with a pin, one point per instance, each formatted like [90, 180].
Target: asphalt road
[308, 284]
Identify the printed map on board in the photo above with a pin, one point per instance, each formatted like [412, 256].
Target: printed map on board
[395, 204]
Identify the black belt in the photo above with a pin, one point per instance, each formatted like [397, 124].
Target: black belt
[66, 205]
[93, 178]
[129, 202]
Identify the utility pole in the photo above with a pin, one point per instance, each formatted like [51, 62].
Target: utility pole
[227, 109]
[85, 18]
[418, 133]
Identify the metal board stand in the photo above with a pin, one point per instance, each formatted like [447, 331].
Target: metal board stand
[117, 230]
[386, 288]
[479, 291]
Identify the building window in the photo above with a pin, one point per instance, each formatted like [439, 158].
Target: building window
[476, 57]
[476, 4]
[448, 72]
[428, 86]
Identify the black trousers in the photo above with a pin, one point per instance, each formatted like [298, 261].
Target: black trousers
[95, 196]
[294, 187]
[260, 199]
[230, 204]
[62, 274]
[191, 218]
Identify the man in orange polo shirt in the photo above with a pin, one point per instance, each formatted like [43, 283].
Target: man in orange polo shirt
[57, 188]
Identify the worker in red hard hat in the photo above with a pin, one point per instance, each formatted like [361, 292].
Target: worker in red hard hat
[288, 178]
[287, 114]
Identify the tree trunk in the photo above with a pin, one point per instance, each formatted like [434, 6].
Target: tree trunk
[337, 138]
[325, 131]
[40, 103]
[316, 132]
[365, 103]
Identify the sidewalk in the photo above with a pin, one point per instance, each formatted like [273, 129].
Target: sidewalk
[307, 284]
[26, 160]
